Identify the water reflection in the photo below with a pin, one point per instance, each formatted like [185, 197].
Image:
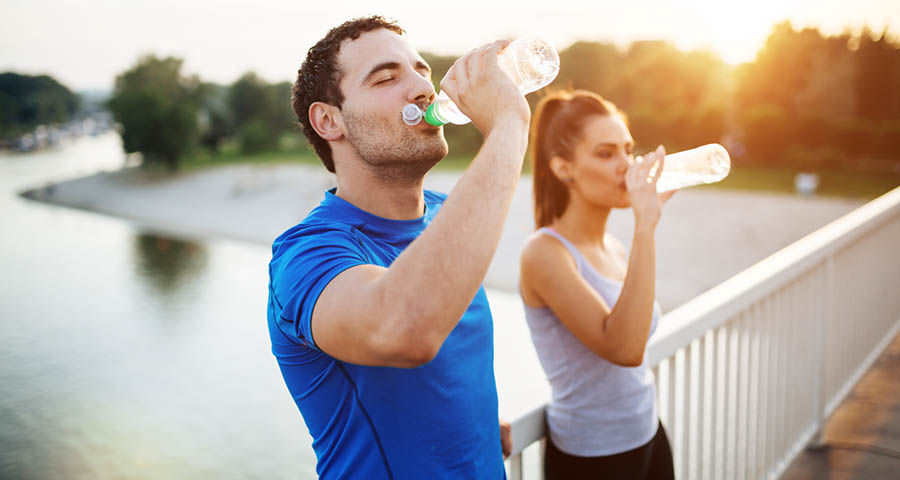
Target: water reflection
[167, 263]
[127, 354]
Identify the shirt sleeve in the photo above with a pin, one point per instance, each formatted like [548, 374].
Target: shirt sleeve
[301, 268]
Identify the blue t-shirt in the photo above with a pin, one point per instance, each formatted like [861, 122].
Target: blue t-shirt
[435, 421]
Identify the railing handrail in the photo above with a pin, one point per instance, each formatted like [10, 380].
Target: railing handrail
[710, 309]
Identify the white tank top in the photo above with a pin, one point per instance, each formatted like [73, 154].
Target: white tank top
[597, 408]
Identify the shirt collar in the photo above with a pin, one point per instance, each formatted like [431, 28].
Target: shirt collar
[370, 224]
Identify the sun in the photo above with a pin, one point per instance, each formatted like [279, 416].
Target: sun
[733, 30]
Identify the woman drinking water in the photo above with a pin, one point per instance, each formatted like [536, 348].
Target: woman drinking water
[589, 304]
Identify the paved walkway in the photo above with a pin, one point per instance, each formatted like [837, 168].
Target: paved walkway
[862, 438]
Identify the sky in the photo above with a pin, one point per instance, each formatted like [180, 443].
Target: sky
[84, 44]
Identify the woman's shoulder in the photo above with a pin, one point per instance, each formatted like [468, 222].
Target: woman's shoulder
[539, 244]
[544, 260]
[543, 253]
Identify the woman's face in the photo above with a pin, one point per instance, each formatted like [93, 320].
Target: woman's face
[600, 160]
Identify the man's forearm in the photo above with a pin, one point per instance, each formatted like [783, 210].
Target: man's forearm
[451, 257]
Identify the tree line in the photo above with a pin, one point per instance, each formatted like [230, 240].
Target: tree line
[165, 114]
[807, 100]
[813, 101]
[27, 102]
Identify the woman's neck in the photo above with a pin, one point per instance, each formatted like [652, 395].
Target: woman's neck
[583, 223]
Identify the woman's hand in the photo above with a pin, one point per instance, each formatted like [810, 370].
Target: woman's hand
[645, 201]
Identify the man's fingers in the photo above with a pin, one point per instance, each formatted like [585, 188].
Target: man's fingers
[475, 62]
[462, 73]
[479, 58]
[449, 83]
[494, 48]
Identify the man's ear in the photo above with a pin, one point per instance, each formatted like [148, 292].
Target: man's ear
[326, 120]
[561, 168]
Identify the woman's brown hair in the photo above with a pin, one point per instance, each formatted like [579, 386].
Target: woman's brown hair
[555, 131]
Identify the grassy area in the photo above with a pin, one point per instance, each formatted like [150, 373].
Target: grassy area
[231, 155]
[453, 163]
[832, 183]
[292, 150]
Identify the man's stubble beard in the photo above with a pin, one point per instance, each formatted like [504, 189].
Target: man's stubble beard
[394, 160]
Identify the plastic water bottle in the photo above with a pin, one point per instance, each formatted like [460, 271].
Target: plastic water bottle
[707, 164]
[530, 63]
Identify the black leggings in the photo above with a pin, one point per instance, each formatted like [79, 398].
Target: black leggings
[650, 461]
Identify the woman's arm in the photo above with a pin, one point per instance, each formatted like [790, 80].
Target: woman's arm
[550, 277]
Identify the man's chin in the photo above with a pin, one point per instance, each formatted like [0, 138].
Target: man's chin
[435, 158]
[438, 152]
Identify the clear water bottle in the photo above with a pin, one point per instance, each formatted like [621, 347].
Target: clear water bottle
[530, 63]
[697, 166]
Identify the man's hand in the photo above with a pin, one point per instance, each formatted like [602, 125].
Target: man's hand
[505, 438]
[483, 91]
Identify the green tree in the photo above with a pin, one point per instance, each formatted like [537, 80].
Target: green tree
[157, 108]
[794, 94]
[877, 76]
[247, 98]
[261, 111]
[216, 122]
[671, 97]
[279, 114]
[811, 100]
[877, 62]
[28, 101]
[589, 66]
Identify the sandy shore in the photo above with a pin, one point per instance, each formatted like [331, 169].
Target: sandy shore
[704, 237]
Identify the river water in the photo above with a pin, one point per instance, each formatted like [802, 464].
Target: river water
[126, 354]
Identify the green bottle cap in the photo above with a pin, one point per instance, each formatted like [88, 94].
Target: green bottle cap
[432, 117]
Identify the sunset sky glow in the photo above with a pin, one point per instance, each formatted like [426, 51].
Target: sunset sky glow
[85, 44]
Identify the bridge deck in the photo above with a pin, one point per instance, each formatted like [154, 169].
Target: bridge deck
[862, 438]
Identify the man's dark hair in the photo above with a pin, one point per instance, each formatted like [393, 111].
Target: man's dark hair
[319, 78]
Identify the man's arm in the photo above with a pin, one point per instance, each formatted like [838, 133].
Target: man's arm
[400, 316]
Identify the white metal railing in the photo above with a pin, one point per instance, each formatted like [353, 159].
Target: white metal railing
[748, 372]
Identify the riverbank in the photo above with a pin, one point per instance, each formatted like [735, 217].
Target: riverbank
[705, 235]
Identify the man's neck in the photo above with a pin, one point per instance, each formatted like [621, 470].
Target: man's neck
[395, 200]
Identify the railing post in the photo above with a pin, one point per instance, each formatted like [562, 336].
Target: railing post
[515, 467]
[828, 318]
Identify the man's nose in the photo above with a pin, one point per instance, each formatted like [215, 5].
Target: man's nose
[421, 90]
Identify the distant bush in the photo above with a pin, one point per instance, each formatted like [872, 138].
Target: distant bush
[157, 108]
[29, 101]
